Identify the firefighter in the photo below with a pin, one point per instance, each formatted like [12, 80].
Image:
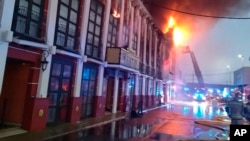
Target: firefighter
[247, 109]
[235, 109]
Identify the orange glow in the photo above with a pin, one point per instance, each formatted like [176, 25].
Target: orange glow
[116, 14]
[181, 31]
[171, 22]
[181, 36]
[178, 36]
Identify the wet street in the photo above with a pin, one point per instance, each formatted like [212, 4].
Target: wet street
[175, 121]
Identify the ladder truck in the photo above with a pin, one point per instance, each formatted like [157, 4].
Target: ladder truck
[201, 84]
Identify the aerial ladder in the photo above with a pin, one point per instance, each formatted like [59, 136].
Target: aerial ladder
[197, 70]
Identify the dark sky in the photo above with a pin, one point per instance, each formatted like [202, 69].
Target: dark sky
[216, 42]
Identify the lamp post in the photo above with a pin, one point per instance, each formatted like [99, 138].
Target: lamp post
[242, 59]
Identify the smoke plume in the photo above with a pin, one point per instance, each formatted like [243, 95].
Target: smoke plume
[219, 8]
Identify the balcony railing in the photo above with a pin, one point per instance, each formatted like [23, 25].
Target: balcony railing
[148, 70]
[159, 74]
[121, 56]
[143, 68]
[153, 72]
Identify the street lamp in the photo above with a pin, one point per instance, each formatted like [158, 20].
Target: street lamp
[242, 59]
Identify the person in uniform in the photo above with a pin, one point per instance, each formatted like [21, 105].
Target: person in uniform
[235, 109]
[247, 109]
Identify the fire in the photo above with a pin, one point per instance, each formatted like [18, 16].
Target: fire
[116, 14]
[178, 36]
[171, 22]
[180, 32]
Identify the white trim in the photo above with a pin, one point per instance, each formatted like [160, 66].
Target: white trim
[25, 50]
[95, 61]
[32, 44]
[123, 67]
[59, 51]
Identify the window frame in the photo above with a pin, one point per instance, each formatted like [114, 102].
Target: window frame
[66, 34]
[114, 24]
[94, 49]
[28, 20]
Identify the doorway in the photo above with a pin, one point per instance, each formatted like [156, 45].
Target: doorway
[14, 91]
[59, 91]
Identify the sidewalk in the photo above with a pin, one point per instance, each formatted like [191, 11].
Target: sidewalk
[66, 128]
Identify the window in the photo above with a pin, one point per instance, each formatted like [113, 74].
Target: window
[112, 31]
[66, 25]
[142, 50]
[59, 90]
[88, 89]
[125, 34]
[134, 42]
[27, 23]
[93, 44]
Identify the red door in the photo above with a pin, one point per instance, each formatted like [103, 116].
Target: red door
[14, 91]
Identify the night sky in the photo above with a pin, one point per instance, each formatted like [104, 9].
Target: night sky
[215, 41]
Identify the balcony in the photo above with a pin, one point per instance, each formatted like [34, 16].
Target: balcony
[123, 57]
[159, 75]
[142, 68]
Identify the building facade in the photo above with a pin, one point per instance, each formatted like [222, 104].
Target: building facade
[66, 60]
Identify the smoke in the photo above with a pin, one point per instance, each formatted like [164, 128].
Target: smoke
[204, 30]
[219, 8]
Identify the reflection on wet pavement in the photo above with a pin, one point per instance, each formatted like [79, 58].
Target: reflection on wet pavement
[169, 123]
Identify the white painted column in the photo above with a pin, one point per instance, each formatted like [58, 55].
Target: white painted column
[3, 54]
[84, 26]
[127, 87]
[139, 36]
[143, 85]
[79, 63]
[119, 43]
[154, 86]
[104, 46]
[155, 53]
[131, 31]
[78, 78]
[150, 45]
[105, 28]
[149, 86]
[6, 13]
[115, 92]
[100, 80]
[136, 84]
[43, 81]
[128, 102]
[145, 41]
